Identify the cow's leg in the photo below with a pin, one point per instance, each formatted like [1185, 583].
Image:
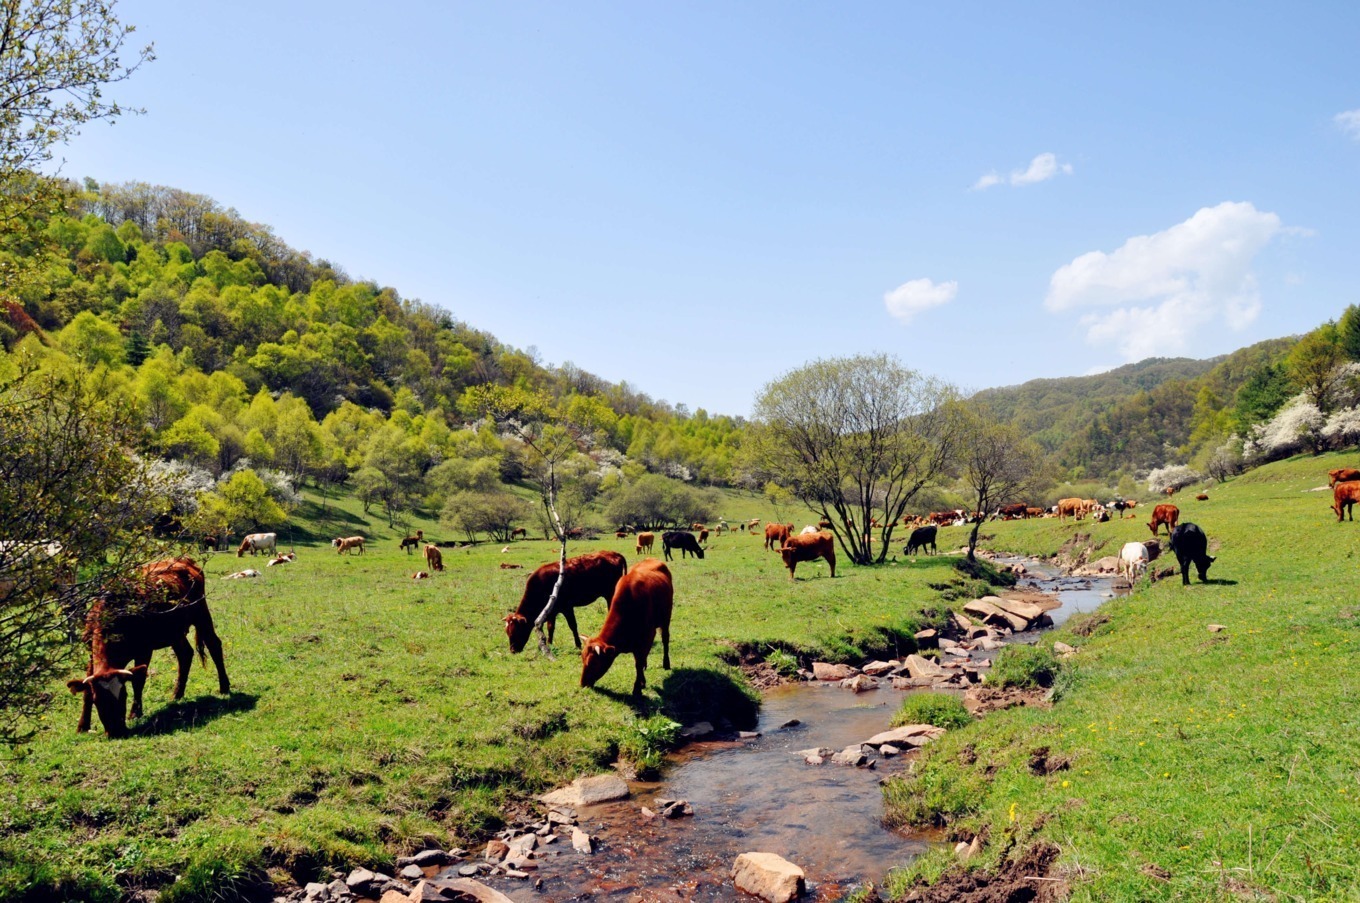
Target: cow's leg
[86, 701]
[640, 660]
[139, 681]
[207, 636]
[666, 644]
[570, 614]
[184, 655]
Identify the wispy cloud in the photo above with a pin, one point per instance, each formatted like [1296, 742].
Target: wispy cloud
[910, 298]
[1040, 169]
[1349, 122]
[1169, 285]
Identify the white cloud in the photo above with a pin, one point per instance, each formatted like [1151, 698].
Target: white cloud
[1349, 122]
[1040, 169]
[910, 298]
[1167, 286]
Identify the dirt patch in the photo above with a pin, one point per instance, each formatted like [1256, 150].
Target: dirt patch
[1025, 879]
[763, 675]
[1087, 626]
[981, 700]
[1043, 763]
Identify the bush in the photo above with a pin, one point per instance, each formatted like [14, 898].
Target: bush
[783, 662]
[647, 742]
[1024, 666]
[940, 709]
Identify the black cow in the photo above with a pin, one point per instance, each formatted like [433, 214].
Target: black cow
[1191, 546]
[919, 539]
[685, 542]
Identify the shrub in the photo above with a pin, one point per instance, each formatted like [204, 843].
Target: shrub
[1024, 666]
[647, 741]
[783, 662]
[940, 709]
[1174, 476]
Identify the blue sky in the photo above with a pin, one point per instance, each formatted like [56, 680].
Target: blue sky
[699, 197]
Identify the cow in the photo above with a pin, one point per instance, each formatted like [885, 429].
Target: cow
[678, 539]
[128, 623]
[348, 544]
[1010, 512]
[589, 577]
[823, 525]
[775, 535]
[519, 533]
[698, 527]
[1120, 506]
[1034, 512]
[920, 538]
[641, 605]
[806, 530]
[620, 534]
[1170, 491]
[1202, 497]
[753, 523]
[434, 559]
[808, 548]
[1164, 514]
[1344, 497]
[411, 543]
[1133, 559]
[1343, 475]
[703, 537]
[1074, 507]
[1192, 547]
[644, 542]
[257, 542]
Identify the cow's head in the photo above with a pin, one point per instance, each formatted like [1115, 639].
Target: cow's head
[517, 627]
[1202, 565]
[596, 657]
[108, 691]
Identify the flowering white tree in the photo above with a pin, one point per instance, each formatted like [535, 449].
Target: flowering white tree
[1173, 476]
[1296, 427]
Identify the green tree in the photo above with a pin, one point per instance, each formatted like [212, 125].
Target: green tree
[654, 502]
[1262, 394]
[1316, 365]
[996, 464]
[390, 475]
[1348, 332]
[855, 438]
[92, 340]
[493, 513]
[240, 505]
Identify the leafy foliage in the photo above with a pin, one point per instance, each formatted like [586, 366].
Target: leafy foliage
[939, 709]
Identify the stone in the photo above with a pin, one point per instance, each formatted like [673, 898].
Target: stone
[827, 671]
[748, 735]
[360, 879]
[927, 635]
[394, 896]
[948, 644]
[561, 817]
[340, 890]
[467, 871]
[815, 759]
[792, 722]
[877, 668]
[316, 891]
[523, 845]
[985, 609]
[961, 621]
[582, 842]
[697, 731]
[860, 683]
[496, 850]
[675, 808]
[768, 876]
[1026, 610]
[516, 873]
[600, 788]
[918, 666]
[412, 872]
[887, 751]
[1061, 648]
[989, 644]
[462, 890]
[1215, 628]
[852, 756]
[911, 683]
[907, 735]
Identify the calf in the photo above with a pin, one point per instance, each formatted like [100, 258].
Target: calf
[919, 539]
[1192, 546]
[641, 605]
[685, 542]
[128, 624]
[434, 559]
[348, 544]
[808, 548]
[257, 542]
[1164, 514]
[411, 543]
[589, 577]
[1343, 475]
[519, 533]
[1344, 497]
[703, 537]
[644, 542]
[775, 535]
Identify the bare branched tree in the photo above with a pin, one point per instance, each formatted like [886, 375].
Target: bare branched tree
[997, 464]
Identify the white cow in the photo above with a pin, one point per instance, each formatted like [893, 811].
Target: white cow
[257, 542]
[808, 529]
[1133, 560]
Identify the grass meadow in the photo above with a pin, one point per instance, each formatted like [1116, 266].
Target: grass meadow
[372, 714]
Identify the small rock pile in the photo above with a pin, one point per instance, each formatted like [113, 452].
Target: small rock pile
[886, 744]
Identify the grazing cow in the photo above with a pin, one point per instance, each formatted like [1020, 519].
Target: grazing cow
[644, 542]
[919, 539]
[808, 548]
[348, 544]
[775, 535]
[1170, 491]
[434, 559]
[823, 525]
[1192, 546]
[128, 624]
[703, 537]
[1120, 506]
[519, 533]
[1074, 507]
[1164, 514]
[641, 605]
[1034, 512]
[1343, 475]
[411, 543]
[589, 577]
[753, 523]
[1133, 559]
[620, 534]
[678, 539]
[257, 542]
[1010, 512]
[1344, 497]
[1202, 497]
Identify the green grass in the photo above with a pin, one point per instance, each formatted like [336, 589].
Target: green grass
[1203, 765]
[372, 713]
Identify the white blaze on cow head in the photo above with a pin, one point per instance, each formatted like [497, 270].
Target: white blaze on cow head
[108, 692]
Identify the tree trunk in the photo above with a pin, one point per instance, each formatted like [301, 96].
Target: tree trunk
[547, 612]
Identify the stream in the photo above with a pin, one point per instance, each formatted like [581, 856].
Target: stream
[759, 794]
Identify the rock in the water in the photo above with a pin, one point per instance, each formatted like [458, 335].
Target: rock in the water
[412, 872]
[768, 876]
[316, 891]
[360, 879]
[600, 788]
[852, 756]
[461, 890]
[860, 683]
[675, 808]
[887, 751]
[907, 735]
[917, 666]
[394, 896]
[748, 735]
[878, 668]
[582, 842]
[697, 731]
[911, 683]
[828, 671]
[496, 850]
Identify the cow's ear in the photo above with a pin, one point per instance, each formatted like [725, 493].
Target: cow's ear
[77, 686]
[1212, 559]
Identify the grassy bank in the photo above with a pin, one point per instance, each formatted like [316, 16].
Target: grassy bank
[372, 713]
[1203, 765]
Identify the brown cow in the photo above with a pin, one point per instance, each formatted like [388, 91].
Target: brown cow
[703, 536]
[1343, 475]
[644, 542]
[589, 577]
[1170, 491]
[519, 533]
[1202, 497]
[808, 547]
[411, 543]
[776, 535]
[823, 525]
[434, 559]
[347, 544]
[641, 605]
[1344, 496]
[1034, 512]
[128, 624]
[1074, 507]
[1164, 514]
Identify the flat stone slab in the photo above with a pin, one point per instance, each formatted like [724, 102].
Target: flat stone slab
[768, 876]
[907, 735]
[600, 788]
